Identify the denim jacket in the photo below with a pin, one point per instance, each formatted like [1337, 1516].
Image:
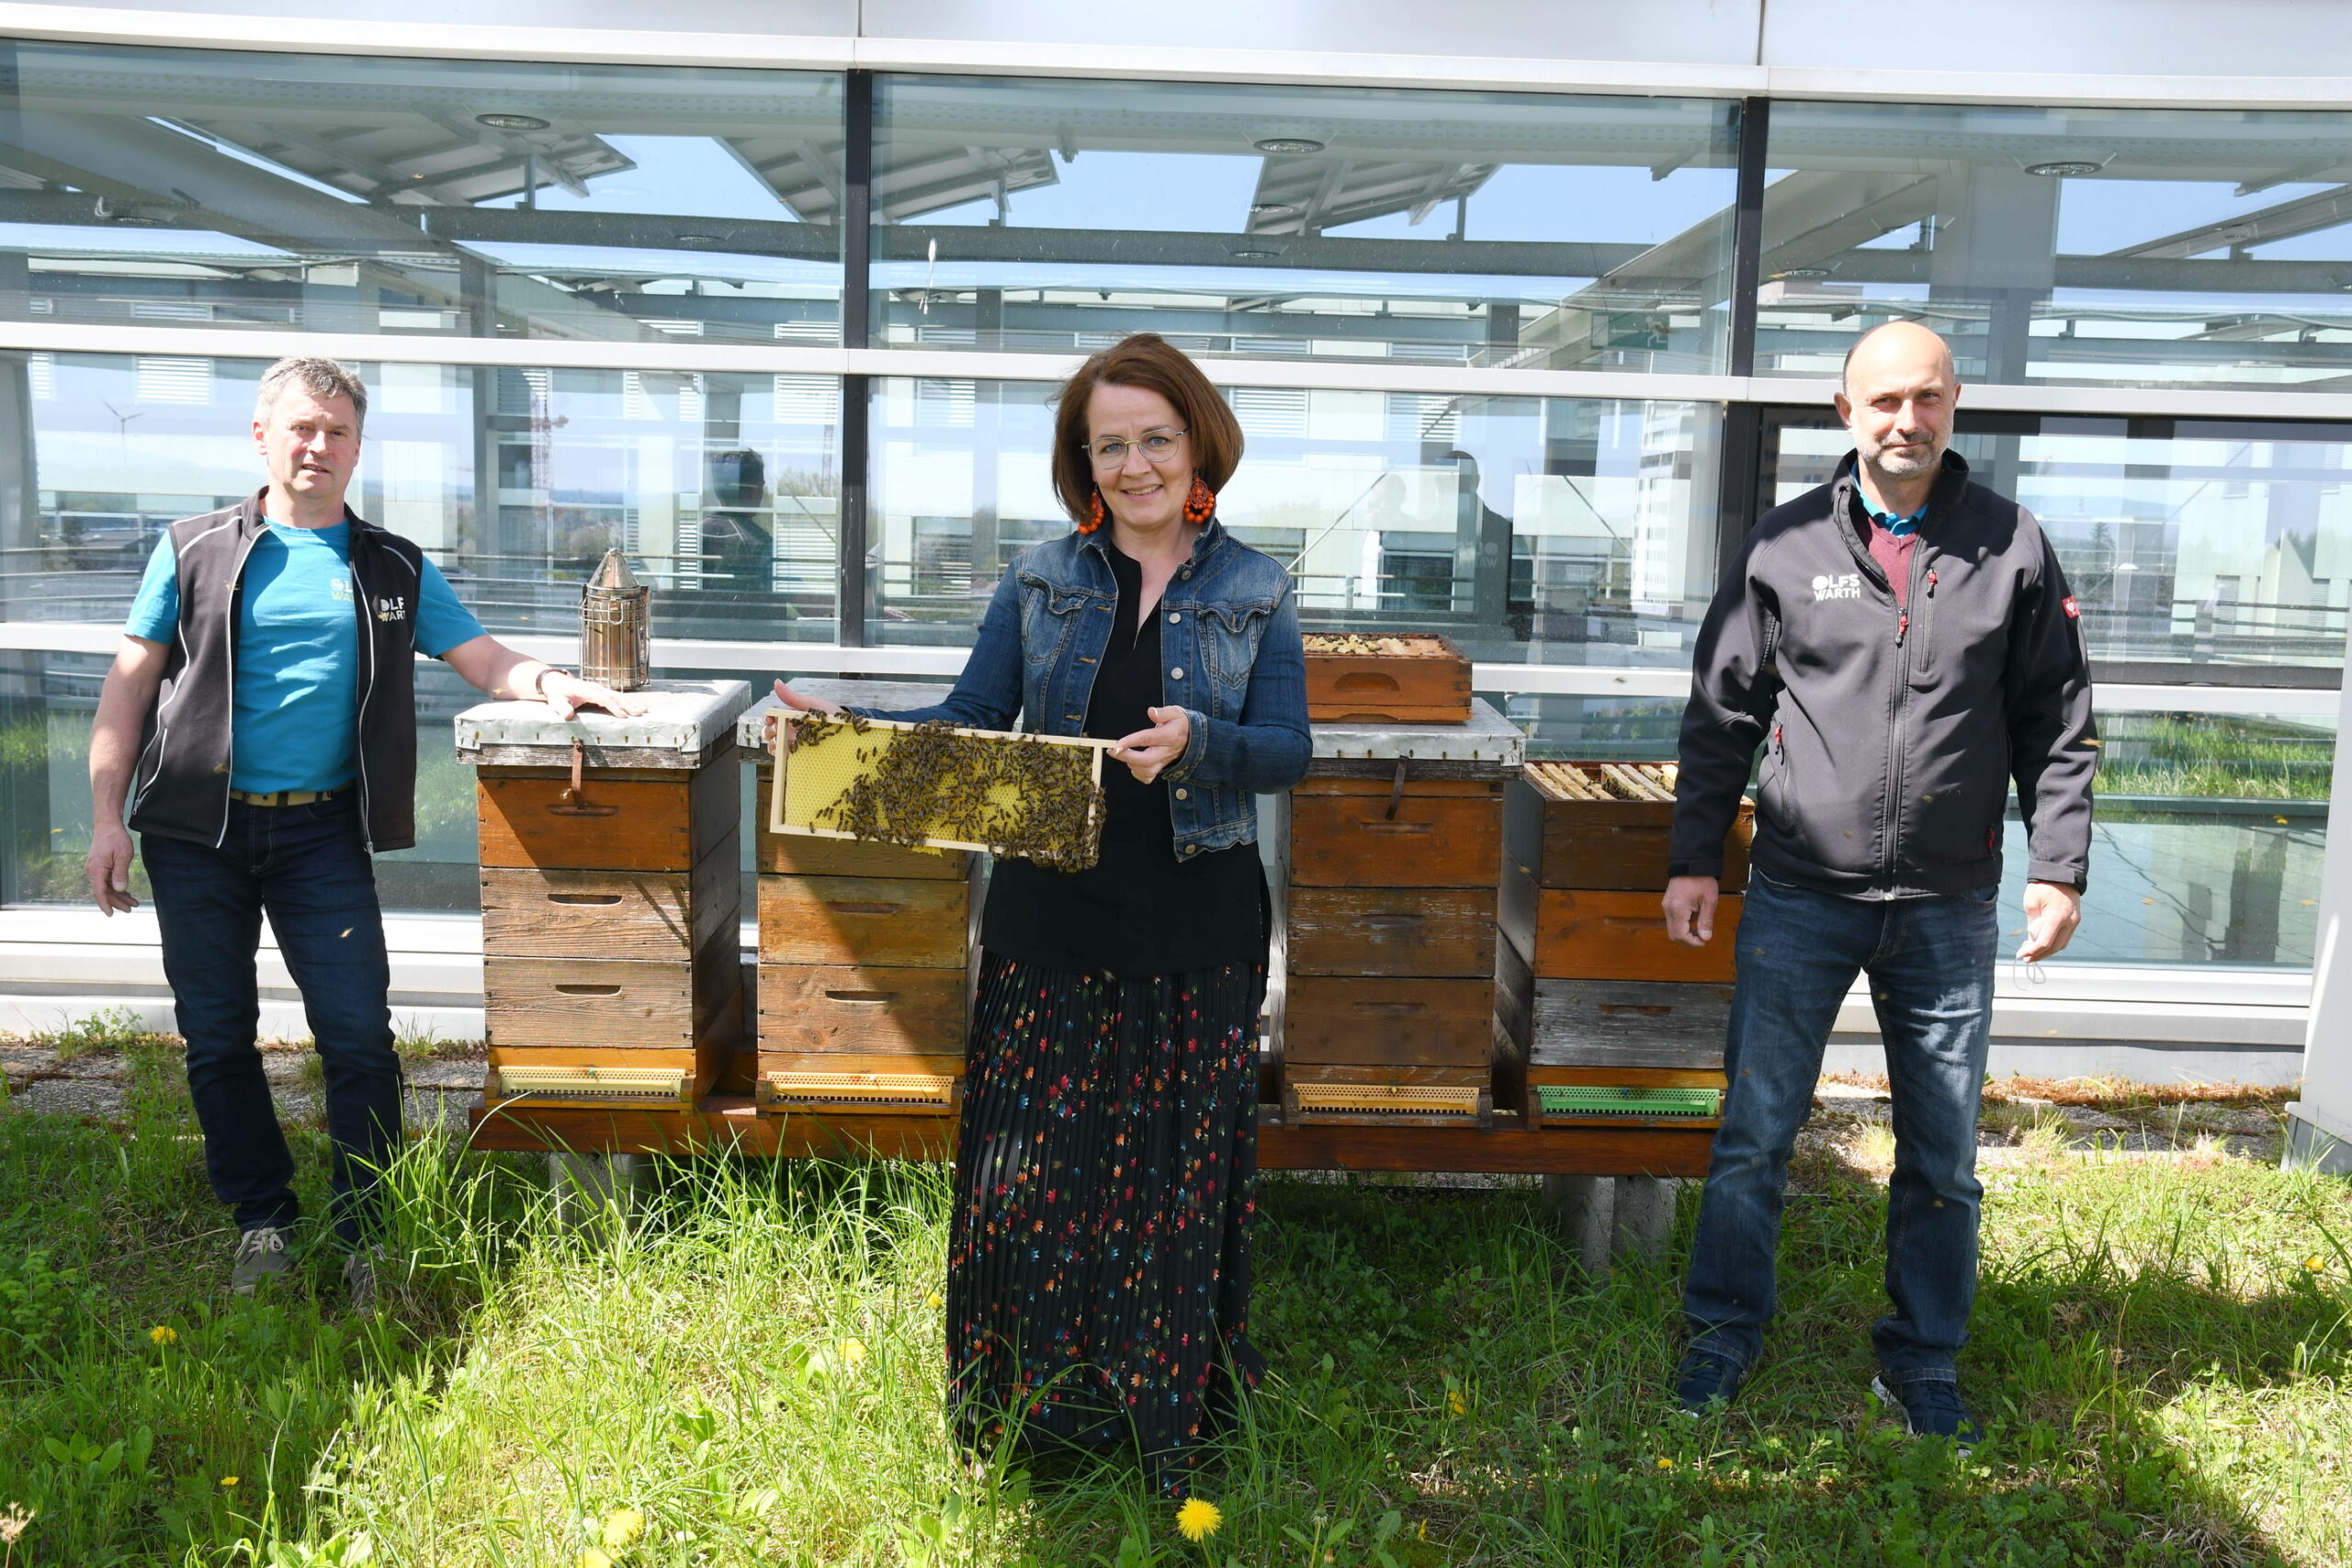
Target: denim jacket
[1228, 639]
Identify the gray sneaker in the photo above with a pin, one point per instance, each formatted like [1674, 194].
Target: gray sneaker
[261, 1255]
[359, 1277]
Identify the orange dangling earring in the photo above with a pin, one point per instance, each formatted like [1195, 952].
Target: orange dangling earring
[1201, 503]
[1093, 514]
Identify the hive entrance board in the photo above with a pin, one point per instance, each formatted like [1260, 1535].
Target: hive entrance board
[937, 787]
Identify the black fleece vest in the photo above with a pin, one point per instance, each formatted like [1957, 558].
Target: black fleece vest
[180, 788]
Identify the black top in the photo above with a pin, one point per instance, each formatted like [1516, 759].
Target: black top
[1138, 909]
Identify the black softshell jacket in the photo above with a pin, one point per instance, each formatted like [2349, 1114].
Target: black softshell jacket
[1890, 737]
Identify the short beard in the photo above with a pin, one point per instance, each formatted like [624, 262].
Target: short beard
[1894, 466]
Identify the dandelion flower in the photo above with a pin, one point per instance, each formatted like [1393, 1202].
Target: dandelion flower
[622, 1525]
[163, 1333]
[228, 1480]
[2313, 1264]
[1455, 1405]
[1198, 1519]
[595, 1557]
[852, 1351]
[1664, 1462]
[934, 1300]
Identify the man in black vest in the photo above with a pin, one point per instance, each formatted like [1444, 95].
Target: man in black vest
[261, 717]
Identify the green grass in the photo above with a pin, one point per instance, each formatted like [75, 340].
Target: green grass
[754, 1366]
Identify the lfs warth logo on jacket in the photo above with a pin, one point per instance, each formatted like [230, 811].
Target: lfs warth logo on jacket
[1847, 585]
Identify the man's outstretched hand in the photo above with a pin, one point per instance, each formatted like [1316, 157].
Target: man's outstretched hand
[1690, 909]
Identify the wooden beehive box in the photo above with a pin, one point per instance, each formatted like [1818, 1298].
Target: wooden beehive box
[865, 953]
[1585, 865]
[1622, 1052]
[611, 972]
[1385, 678]
[1392, 854]
[1606, 826]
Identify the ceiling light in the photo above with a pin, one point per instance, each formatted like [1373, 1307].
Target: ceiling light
[1254, 255]
[1290, 144]
[1273, 209]
[139, 221]
[1803, 272]
[510, 121]
[698, 239]
[2063, 169]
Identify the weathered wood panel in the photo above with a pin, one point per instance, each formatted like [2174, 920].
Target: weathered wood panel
[1606, 845]
[1432, 841]
[532, 913]
[1584, 935]
[1391, 930]
[561, 1003]
[838, 1007]
[1389, 1022]
[881, 922]
[637, 823]
[1618, 1023]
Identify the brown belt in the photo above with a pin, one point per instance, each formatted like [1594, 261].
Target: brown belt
[285, 796]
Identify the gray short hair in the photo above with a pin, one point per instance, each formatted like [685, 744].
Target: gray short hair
[320, 377]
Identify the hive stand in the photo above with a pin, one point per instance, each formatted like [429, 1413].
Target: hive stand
[1373, 917]
[612, 980]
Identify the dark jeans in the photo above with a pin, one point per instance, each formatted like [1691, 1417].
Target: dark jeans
[307, 868]
[1931, 964]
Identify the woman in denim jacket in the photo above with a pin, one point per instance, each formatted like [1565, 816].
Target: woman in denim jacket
[1097, 1273]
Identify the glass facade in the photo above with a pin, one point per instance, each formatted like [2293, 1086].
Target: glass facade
[722, 486]
[2084, 247]
[1350, 223]
[1574, 531]
[2189, 544]
[314, 193]
[675, 236]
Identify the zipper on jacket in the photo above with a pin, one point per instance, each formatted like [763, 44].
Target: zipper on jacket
[359, 729]
[236, 587]
[1896, 699]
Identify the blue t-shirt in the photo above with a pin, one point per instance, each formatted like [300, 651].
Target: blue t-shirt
[298, 653]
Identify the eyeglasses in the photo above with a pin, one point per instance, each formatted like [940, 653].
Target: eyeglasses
[1159, 445]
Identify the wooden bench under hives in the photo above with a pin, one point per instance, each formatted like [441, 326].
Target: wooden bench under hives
[609, 893]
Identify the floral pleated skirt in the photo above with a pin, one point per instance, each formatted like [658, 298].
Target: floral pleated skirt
[1098, 1271]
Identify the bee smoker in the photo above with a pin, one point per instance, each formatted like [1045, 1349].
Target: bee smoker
[616, 627]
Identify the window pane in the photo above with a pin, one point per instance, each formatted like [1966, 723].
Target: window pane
[2209, 836]
[1437, 228]
[2068, 246]
[1566, 531]
[462, 198]
[723, 488]
[2187, 543]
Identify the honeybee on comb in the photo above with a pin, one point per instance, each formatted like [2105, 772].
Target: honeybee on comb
[931, 783]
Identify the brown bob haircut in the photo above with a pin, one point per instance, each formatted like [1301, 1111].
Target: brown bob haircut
[1146, 360]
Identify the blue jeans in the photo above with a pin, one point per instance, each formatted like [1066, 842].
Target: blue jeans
[1931, 964]
[307, 868]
